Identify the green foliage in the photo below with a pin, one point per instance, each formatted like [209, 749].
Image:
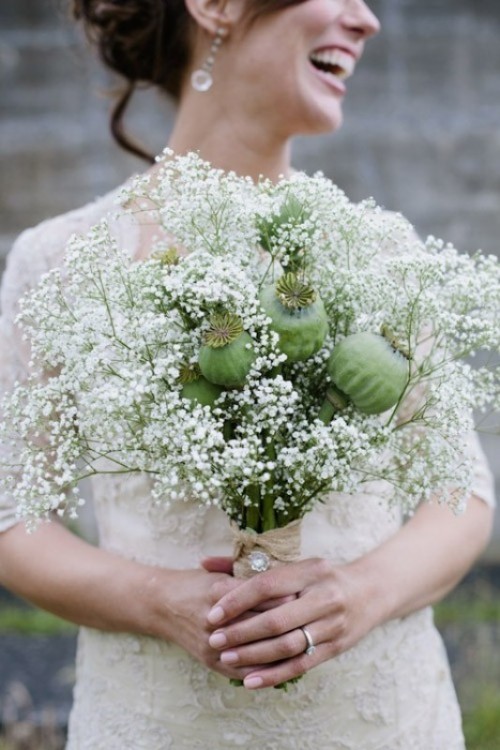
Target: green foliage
[32, 740]
[469, 605]
[31, 621]
[482, 722]
[462, 609]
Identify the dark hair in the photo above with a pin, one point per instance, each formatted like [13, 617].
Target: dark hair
[147, 42]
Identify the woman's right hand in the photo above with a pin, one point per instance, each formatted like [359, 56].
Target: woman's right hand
[180, 601]
[103, 590]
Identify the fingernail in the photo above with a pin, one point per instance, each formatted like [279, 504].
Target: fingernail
[216, 614]
[253, 682]
[229, 657]
[217, 640]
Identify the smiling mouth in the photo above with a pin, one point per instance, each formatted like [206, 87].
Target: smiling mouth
[335, 62]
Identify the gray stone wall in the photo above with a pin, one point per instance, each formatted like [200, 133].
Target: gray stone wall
[421, 133]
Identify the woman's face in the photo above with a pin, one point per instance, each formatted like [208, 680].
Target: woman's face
[290, 68]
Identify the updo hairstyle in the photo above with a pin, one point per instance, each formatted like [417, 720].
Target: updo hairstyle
[147, 42]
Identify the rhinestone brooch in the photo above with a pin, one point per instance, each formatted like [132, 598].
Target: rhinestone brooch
[259, 561]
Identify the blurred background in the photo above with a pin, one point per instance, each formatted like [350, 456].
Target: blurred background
[421, 135]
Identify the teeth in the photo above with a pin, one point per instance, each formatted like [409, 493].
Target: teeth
[335, 58]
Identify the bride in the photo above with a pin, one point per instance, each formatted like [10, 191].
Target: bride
[163, 622]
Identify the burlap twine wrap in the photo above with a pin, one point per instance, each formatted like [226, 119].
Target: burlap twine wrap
[280, 545]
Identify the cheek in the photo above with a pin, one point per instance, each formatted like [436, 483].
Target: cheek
[314, 16]
[265, 61]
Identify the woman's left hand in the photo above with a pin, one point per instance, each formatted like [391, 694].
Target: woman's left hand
[338, 605]
[332, 602]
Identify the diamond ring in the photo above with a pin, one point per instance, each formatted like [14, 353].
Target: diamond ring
[310, 648]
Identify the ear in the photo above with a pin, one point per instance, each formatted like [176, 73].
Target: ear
[214, 15]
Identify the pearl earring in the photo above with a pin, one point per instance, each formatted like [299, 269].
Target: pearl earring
[201, 79]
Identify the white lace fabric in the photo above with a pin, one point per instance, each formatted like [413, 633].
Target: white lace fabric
[392, 691]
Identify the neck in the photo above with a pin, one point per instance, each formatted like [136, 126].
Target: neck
[232, 142]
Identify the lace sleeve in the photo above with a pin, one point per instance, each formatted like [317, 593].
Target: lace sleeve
[10, 369]
[483, 485]
[24, 266]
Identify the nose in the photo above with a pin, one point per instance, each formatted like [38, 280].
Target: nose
[359, 19]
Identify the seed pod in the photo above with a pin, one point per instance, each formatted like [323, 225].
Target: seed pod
[298, 316]
[370, 371]
[168, 257]
[198, 389]
[228, 354]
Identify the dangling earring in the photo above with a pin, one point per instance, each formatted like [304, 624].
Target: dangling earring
[201, 79]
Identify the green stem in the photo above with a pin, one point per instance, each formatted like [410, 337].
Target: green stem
[326, 412]
[334, 401]
[269, 520]
[227, 430]
[268, 515]
[252, 513]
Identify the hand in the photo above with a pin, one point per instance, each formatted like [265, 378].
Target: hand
[331, 601]
[181, 600]
[225, 565]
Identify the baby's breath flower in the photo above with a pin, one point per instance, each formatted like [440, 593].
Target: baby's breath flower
[111, 338]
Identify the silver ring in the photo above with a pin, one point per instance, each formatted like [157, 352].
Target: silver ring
[310, 648]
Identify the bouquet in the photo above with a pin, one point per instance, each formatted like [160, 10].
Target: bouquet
[279, 343]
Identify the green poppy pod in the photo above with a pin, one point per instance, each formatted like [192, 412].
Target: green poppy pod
[370, 371]
[228, 354]
[201, 391]
[229, 365]
[298, 316]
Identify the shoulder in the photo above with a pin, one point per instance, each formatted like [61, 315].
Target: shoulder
[41, 248]
[45, 242]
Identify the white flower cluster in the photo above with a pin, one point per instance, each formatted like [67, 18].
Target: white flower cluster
[117, 346]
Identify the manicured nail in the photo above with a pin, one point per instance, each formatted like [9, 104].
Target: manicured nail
[216, 615]
[229, 657]
[253, 682]
[217, 640]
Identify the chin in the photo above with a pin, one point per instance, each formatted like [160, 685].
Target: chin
[322, 120]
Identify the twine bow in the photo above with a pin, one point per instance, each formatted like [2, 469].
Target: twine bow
[281, 546]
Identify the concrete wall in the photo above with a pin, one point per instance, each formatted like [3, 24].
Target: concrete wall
[421, 133]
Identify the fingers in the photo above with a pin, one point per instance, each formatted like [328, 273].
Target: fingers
[233, 673]
[285, 581]
[276, 622]
[286, 657]
[222, 587]
[289, 669]
[285, 646]
[272, 603]
[259, 621]
[266, 652]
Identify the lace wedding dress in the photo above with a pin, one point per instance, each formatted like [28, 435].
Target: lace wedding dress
[390, 692]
